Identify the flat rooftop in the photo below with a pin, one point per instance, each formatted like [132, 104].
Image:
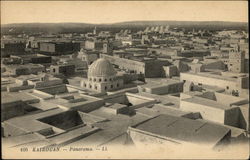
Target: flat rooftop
[207, 102]
[158, 109]
[184, 129]
[211, 75]
[164, 99]
[29, 65]
[31, 55]
[8, 97]
[159, 82]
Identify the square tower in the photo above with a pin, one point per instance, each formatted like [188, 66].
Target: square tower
[236, 62]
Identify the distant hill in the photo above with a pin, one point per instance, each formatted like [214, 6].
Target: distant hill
[45, 27]
[17, 28]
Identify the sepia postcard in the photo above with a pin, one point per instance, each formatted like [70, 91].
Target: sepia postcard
[124, 80]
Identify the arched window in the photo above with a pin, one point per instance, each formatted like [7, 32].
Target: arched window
[85, 85]
[192, 88]
[96, 87]
[105, 80]
[105, 87]
[90, 86]
[100, 80]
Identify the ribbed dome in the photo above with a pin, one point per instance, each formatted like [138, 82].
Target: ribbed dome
[101, 68]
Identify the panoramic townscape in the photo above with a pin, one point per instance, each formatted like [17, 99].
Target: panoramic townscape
[125, 79]
[159, 84]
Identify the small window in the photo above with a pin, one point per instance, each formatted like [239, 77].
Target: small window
[90, 86]
[227, 87]
[105, 87]
[111, 86]
[199, 84]
[105, 80]
[192, 88]
[110, 79]
[96, 87]
[117, 84]
[100, 80]
[94, 79]
[90, 79]
[54, 70]
[85, 85]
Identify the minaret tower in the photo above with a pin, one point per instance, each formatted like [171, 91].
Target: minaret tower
[94, 31]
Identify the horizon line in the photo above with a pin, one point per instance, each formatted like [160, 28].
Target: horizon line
[126, 22]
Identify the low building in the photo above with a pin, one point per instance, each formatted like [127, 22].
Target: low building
[193, 53]
[149, 67]
[16, 104]
[99, 45]
[214, 64]
[196, 67]
[25, 69]
[230, 84]
[168, 86]
[88, 56]
[216, 107]
[163, 51]
[220, 54]
[12, 48]
[181, 66]
[34, 58]
[12, 60]
[93, 45]
[11, 109]
[172, 131]
[170, 71]
[58, 48]
[80, 65]
[44, 81]
[65, 69]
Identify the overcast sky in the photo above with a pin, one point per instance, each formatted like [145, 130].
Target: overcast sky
[111, 12]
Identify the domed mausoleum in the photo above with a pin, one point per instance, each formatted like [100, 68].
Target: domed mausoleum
[102, 77]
